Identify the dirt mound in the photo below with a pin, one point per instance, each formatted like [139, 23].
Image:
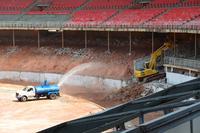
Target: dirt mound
[124, 94]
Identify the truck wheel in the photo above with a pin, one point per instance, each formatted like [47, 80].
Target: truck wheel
[24, 99]
[37, 97]
[52, 96]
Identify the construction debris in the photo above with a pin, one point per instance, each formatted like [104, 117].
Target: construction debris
[12, 50]
[126, 94]
[76, 53]
[155, 86]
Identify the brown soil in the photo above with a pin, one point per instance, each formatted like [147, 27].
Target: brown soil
[123, 95]
[36, 115]
[118, 64]
[104, 97]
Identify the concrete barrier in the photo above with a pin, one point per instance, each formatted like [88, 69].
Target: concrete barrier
[95, 82]
[74, 80]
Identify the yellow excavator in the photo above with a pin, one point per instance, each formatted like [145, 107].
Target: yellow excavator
[147, 71]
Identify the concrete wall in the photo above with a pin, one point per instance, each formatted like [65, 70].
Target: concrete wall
[30, 76]
[176, 78]
[183, 128]
[74, 80]
[95, 82]
[196, 127]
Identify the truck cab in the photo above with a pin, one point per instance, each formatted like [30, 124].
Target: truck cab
[35, 92]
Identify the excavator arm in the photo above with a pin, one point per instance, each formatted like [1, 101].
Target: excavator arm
[149, 68]
[157, 53]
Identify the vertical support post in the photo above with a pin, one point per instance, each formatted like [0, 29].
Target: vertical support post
[191, 126]
[85, 39]
[63, 41]
[130, 43]
[141, 119]
[190, 73]
[172, 69]
[166, 69]
[195, 46]
[13, 36]
[152, 50]
[108, 41]
[38, 39]
[174, 47]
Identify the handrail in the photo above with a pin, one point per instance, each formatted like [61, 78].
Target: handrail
[190, 63]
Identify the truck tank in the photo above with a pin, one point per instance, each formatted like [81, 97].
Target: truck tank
[45, 88]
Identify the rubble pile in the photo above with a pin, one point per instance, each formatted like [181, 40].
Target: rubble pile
[12, 50]
[44, 50]
[76, 53]
[155, 86]
[126, 94]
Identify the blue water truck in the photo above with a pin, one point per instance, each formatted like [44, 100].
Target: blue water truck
[35, 92]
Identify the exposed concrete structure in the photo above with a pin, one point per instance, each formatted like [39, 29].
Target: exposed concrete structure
[176, 78]
[74, 80]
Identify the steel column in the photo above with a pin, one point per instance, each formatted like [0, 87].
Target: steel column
[13, 37]
[152, 37]
[195, 46]
[63, 41]
[108, 41]
[85, 39]
[141, 119]
[38, 39]
[191, 126]
[130, 43]
[174, 46]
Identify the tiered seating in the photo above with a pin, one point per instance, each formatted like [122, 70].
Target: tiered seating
[163, 3]
[57, 7]
[195, 22]
[190, 3]
[14, 5]
[134, 17]
[91, 17]
[176, 16]
[49, 12]
[108, 3]
[193, 1]
[65, 4]
[9, 12]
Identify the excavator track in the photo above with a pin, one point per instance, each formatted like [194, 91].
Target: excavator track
[154, 77]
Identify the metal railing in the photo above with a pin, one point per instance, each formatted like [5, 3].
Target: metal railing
[64, 24]
[190, 63]
[29, 24]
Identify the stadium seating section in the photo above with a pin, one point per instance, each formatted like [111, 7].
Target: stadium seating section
[91, 17]
[108, 12]
[176, 16]
[108, 3]
[134, 17]
[14, 5]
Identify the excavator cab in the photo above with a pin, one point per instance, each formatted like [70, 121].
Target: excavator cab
[149, 70]
[146, 65]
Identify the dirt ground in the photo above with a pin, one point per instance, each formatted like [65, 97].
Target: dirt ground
[35, 115]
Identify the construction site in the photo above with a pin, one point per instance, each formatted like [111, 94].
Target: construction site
[90, 66]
